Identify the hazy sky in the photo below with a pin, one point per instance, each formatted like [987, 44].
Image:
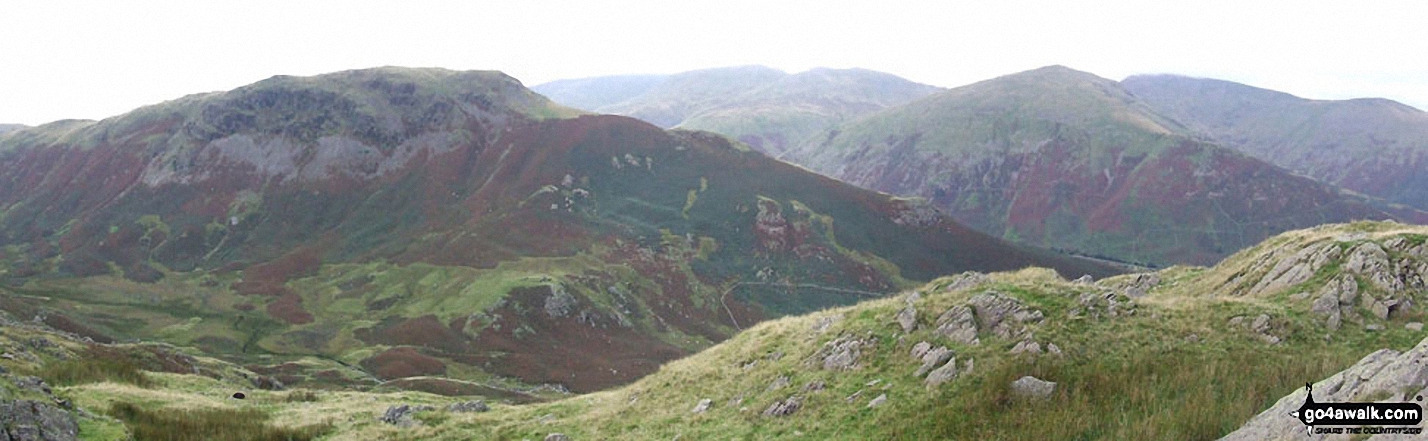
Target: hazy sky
[66, 59]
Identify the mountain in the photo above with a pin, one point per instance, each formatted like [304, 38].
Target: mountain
[1181, 353]
[391, 223]
[768, 109]
[1061, 158]
[11, 127]
[1376, 147]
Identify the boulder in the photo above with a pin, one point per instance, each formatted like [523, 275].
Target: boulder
[883, 398]
[702, 406]
[1032, 387]
[557, 437]
[943, 374]
[907, 318]
[1026, 347]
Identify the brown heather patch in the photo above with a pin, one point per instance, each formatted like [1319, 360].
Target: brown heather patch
[402, 363]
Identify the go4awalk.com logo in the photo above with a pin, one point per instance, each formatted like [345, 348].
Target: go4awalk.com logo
[1359, 418]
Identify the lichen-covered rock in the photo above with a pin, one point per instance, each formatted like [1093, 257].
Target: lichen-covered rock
[1389, 374]
[25, 420]
[1032, 387]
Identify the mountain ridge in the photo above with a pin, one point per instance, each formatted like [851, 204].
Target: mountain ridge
[766, 108]
[421, 222]
[1068, 160]
[1373, 146]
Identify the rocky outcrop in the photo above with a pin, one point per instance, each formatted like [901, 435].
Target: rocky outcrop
[1296, 268]
[987, 313]
[843, 353]
[784, 408]
[25, 420]
[469, 406]
[402, 416]
[1385, 375]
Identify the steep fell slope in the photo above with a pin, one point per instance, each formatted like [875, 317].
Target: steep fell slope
[1060, 158]
[765, 108]
[1373, 146]
[1143, 356]
[417, 222]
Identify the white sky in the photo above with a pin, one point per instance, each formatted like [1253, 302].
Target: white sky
[68, 59]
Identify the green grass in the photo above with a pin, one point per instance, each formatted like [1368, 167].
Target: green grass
[152, 424]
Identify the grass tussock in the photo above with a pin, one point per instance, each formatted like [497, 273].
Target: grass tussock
[208, 425]
[301, 396]
[95, 369]
[1144, 396]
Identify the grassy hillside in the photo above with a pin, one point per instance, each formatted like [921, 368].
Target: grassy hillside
[1183, 353]
[1372, 146]
[1063, 159]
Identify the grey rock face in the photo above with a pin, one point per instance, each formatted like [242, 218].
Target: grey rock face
[1385, 373]
[1297, 268]
[26, 420]
[559, 303]
[1032, 387]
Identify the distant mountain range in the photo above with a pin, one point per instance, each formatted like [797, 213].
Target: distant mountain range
[10, 127]
[1059, 158]
[766, 108]
[1372, 146]
[422, 221]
